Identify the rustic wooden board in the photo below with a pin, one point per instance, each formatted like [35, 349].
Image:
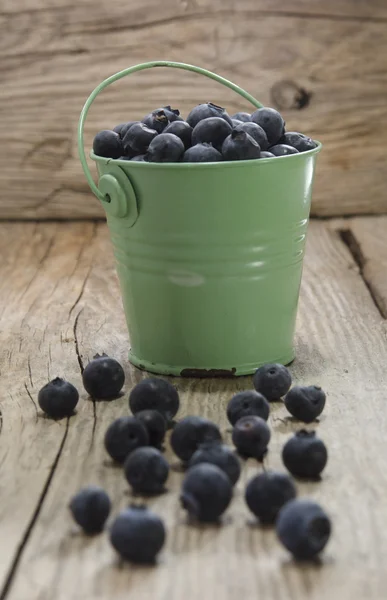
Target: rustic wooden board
[340, 344]
[53, 53]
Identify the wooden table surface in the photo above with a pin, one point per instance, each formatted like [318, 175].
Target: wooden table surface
[60, 304]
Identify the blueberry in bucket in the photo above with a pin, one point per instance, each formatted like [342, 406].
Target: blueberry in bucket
[256, 132]
[156, 120]
[242, 116]
[240, 146]
[301, 142]
[173, 114]
[266, 154]
[166, 147]
[204, 111]
[138, 138]
[122, 128]
[108, 144]
[182, 129]
[213, 130]
[271, 121]
[282, 150]
[202, 153]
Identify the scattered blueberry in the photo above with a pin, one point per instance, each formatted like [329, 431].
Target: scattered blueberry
[202, 153]
[58, 398]
[282, 150]
[189, 433]
[206, 492]
[220, 455]
[242, 116]
[203, 111]
[146, 470]
[212, 130]
[137, 534]
[183, 130]
[155, 424]
[156, 120]
[108, 144]
[256, 132]
[103, 378]
[301, 142]
[123, 128]
[166, 147]
[240, 146]
[90, 508]
[304, 528]
[305, 455]
[273, 381]
[251, 436]
[123, 436]
[266, 154]
[267, 493]
[137, 139]
[305, 403]
[271, 121]
[139, 158]
[157, 394]
[173, 114]
[245, 404]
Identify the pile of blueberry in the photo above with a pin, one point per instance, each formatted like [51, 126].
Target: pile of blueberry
[212, 467]
[208, 134]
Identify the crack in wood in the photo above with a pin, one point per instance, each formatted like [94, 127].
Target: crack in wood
[32, 400]
[79, 357]
[29, 371]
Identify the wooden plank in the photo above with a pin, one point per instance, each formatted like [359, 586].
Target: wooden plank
[53, 54]
[335, 348]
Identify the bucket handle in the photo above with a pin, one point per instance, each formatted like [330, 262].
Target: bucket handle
[148, 65]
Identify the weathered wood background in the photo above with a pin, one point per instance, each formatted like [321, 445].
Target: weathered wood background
[321, 62]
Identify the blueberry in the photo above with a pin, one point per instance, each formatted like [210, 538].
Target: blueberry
[166, 147]
[126, 158]
[183, 130]
[305, 403]
[155, 424]
[282, 150]
[189, 433]
[267, 493]
[272, 380]
[155, 394]
[256, 132]
[123, 436]
[245, 404]
[251, 436]
[266, 154]
[204, 111]
[240, 146]
[103, 378]
[90, 508]
[220, 455]
[202, 153]
[173, 114]
[139, 158]
[146, 470]
[156, 120]
[301, 142]
[123, 128]
[206, 492]
[108, 144]
[58, 398]
[236, 122]
[271, 121]
[305, 455]
[242, 116]
[304, 528]
[138, 534]
[212, 130]
[137, 139]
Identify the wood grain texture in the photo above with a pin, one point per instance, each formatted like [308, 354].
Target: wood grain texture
[53, 53]
[340, 345]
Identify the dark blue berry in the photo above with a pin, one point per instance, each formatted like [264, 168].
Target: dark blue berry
[90, 508]
[58, 398]
[220, 455]
[267, 493]
[266, 154]
[155, 394]
[251, 436]
[256, 132]
[202, 153]
[126, 158]
[156, 120]
[183, 130]
[139, 158]
[155, 424]
[123, 436]
[204, 111]
[235, 123]
[305, 403]
[123, 128]
[282, 150]
[240, 146]
[146, 470]
[242, 116]
[305, 455]
[273, 381]
[245, 404]
[107, 143]
[103, 378]
[189, 433]
[301, 142]
[212, 130]
[166, 147]
[138, 534]
[137, 139]
[173, 114]
[304, 528]
[271, 121]
[206, 492]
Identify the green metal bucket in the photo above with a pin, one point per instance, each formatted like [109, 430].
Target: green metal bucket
[209, 256]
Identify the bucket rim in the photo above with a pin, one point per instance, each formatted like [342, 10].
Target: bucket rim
[208, 165]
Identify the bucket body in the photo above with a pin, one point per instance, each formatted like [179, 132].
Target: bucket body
[210, 264]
